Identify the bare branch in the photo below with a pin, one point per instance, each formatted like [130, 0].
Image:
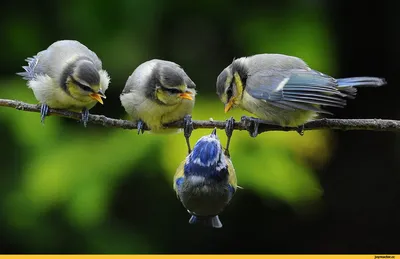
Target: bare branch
[337, 124]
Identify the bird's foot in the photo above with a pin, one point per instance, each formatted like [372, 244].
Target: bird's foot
[85, 116]
[140, 126]
[44, 111]
[187, 130]
[229, 126]
[300, 130]
[251, 125]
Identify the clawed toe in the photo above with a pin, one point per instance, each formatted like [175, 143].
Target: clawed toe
[229, 127]
[85, 116]
[140, 127]
[44, 111]
[187, 130]
[300, 130]
[251, 125]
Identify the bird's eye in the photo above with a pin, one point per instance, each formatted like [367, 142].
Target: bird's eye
[173, 90]
[82, 86]
[229, 92]
[86, 88]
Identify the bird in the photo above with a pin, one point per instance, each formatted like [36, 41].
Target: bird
[205, 181]
[67, 75]
[283, 90]
[159, 92]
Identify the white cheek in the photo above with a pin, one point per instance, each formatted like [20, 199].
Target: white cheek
[104, 80]
[222, 164]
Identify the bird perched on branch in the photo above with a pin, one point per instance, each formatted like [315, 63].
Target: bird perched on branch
[205, 181]
[159, 92]
[284, 90]
[67, 75]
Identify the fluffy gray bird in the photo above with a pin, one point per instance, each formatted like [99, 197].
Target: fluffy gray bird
[284, 90]
[159, 92]
[67, 75]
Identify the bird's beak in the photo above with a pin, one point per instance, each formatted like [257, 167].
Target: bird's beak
[214, 132]
[97, 96]
[186, 95]
[229, 105]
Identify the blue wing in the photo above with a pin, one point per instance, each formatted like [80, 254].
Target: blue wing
[296, 89]
[179, 176]
[178, 183]
[232, 180]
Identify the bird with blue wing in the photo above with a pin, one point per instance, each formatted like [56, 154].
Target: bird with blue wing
[283, 90]
[205, 181]
[66, 75]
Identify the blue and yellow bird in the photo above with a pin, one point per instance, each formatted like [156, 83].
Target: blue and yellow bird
[283, 90]
[205, 181]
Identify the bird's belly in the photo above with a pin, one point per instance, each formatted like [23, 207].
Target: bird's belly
[154, 114]
[64, 101]
[280, 116]
[205, 200]
[47, 92]
[177, 112]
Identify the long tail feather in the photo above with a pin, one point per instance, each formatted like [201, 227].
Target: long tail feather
[361, 81]
[348, 85]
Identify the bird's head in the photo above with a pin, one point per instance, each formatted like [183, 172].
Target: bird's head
[83, 81]
[231, 83]
[170, 86]
[207, 159]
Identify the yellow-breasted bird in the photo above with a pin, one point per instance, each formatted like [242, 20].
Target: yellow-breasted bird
[67, 75]
[205, 181]
[159, 92]
[283, 89]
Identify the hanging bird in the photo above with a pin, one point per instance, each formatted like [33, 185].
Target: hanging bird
[205, 181]
[67, 75]
[284, 90]
[159, 92]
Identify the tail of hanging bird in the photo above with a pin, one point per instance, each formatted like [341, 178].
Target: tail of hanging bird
[206, 221]
[348, 85]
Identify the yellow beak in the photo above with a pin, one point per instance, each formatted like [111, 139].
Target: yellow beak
[96, 97]
[229, 105]
[186, 95]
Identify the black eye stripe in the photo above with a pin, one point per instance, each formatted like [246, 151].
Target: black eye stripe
[82, 86]
[229, 91]
[172, 90]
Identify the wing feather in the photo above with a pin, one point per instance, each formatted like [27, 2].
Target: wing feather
[296, 89]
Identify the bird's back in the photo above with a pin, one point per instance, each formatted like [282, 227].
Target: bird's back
[265, 62]
[53, 60]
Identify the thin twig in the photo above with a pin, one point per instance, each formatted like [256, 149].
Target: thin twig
[337, 124]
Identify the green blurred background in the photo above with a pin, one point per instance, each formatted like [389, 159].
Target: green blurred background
[69, 189]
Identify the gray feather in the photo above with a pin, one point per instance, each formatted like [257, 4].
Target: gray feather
[361, 81]
[304, 86]
[287, 105]
[29, 72]
[146, 74]
[55, 59]
[170, 76]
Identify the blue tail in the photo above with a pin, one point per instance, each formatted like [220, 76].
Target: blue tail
[361, 81]
[206, 221]
[347, 85]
